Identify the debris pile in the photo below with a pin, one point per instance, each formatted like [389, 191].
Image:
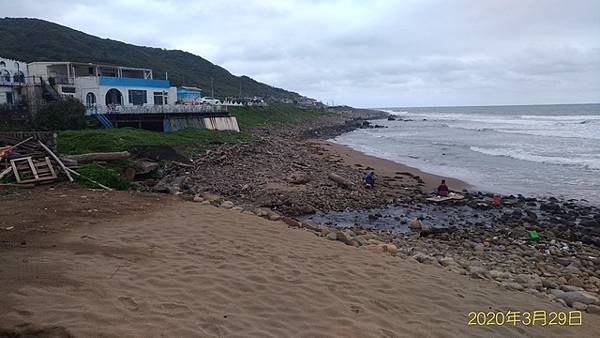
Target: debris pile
[31, 162]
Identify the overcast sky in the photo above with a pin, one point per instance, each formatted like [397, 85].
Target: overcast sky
[368, 53]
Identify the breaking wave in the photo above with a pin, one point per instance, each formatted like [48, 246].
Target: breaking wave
[520, 154]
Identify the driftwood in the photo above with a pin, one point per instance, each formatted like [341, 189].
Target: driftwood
[342, 182]
[60, 163]
[89, 179]
[91, 157]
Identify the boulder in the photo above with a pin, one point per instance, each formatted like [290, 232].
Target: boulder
[274, 216]
[332, 236]
[571, 297]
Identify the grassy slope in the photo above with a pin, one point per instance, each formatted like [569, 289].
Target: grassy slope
[100, 140]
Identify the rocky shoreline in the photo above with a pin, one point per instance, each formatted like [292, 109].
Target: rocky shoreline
[286, 175]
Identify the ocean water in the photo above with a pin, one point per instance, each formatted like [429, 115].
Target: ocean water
[535, 150]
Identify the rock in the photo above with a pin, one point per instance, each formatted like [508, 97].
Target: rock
[227, 205]
[476, 271]
[579, 306]
[331, 236]
[529, 280]
[261, 212]
[360, 240]
[291, 222]
[423, 258]
[416, 224]
[498, 275]
[274, 216]
[575, 282]
[446, 261]
[197, 198]
[567, 288]
[238, 209]
[344, 237]
[311, 225]
[390, 248]
[549, 283]
[593, 309]
[571, 297]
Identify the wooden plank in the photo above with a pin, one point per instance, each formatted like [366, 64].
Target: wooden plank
[60, 163]
[5, 172]
[15, 171]
[32, 166]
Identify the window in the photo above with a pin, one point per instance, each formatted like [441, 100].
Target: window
[2, 64]
[91, 70]
[70, 90]
[5, 76]
[160, 98]
[90, 99]
[114, 97]
[137, 97]
[9, 98]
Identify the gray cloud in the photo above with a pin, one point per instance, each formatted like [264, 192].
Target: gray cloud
[369, 53]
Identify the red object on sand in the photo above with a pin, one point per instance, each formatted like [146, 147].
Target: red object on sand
[497, 199]
[5, 150]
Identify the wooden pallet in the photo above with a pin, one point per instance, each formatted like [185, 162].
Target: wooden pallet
[26, 170]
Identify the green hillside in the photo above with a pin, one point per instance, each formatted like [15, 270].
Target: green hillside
[37, 40]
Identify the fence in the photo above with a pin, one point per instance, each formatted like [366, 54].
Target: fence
[157, 109]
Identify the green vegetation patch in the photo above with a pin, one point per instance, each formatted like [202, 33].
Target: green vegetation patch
[250, 117]
[102, 174]
[122, 139]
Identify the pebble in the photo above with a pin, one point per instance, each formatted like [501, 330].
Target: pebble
[579, 306]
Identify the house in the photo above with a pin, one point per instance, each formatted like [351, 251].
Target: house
[189, 95]
[105, 88]
[130, 97]
[13, 76]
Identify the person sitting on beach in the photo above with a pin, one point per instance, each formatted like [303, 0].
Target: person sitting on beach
[370, 180]
[442, 189]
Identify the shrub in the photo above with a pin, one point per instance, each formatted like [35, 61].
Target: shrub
[61, 115]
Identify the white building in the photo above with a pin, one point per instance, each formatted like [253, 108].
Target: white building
[13, 75]
[105, 88]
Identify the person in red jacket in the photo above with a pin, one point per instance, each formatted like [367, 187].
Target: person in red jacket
[442, 189]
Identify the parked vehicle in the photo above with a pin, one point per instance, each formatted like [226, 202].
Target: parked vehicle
[210, 100]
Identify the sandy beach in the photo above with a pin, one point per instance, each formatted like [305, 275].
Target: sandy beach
[176, 268]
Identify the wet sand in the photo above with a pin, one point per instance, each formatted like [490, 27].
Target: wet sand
[389, 168]
[190, 270]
